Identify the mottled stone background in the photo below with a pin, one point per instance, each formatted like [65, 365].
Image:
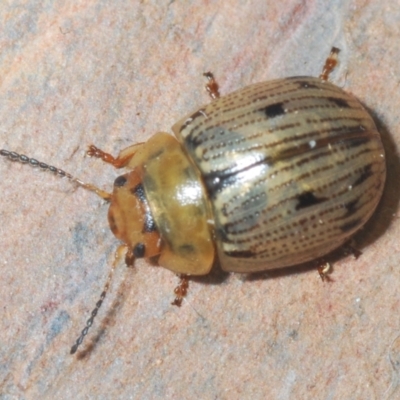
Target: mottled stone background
[113, 73]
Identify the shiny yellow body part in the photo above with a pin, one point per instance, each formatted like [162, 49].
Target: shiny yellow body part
[177, 200]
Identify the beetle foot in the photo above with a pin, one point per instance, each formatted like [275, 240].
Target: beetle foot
[97, 153]
[324, 270]
[181, 290]
[330, 63]
[212, 85]
[349, 248]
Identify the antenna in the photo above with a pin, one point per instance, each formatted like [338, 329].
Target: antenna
[122, 249]
[32, 162]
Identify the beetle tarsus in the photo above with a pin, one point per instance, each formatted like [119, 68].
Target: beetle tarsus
[118, 162]
[350, 249]
[212, 85]
[330, 64]
[97, 153]
[181, 290]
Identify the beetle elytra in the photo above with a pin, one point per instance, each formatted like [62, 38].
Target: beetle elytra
[272, 175]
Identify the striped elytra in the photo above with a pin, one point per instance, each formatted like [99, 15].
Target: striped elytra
[292, 168]
[272, 175]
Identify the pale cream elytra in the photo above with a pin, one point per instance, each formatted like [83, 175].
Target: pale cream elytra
[275, 174]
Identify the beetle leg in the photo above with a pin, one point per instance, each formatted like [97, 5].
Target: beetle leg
[212, 85]
[330, 63]
[181, 290]
[123, 158]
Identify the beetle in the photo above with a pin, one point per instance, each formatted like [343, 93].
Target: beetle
[272, 175]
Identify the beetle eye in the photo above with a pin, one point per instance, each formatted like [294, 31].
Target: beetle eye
[138, 250]
[120, 181]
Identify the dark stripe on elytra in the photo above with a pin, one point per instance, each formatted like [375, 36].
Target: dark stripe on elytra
[241, 254]
[341, 103]
[356, 142]
[366, 173]
[307, 85]
[340, 137]
[350, 225]
[351, 207]
[303, 82]
[190, 120]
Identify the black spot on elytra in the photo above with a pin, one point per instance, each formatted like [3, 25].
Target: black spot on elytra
[349, 226]
[339, 102]
[308, 199]
[139, 250]
[351, 207]
[273, 110]
[355, 142]
[139, 192]
[120, 181]
[365, 174]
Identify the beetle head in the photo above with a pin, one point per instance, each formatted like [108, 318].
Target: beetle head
[130, 217]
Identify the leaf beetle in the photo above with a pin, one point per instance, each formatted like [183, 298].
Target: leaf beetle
[272, 175]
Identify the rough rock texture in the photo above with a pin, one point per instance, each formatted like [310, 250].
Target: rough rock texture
[113, 73]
